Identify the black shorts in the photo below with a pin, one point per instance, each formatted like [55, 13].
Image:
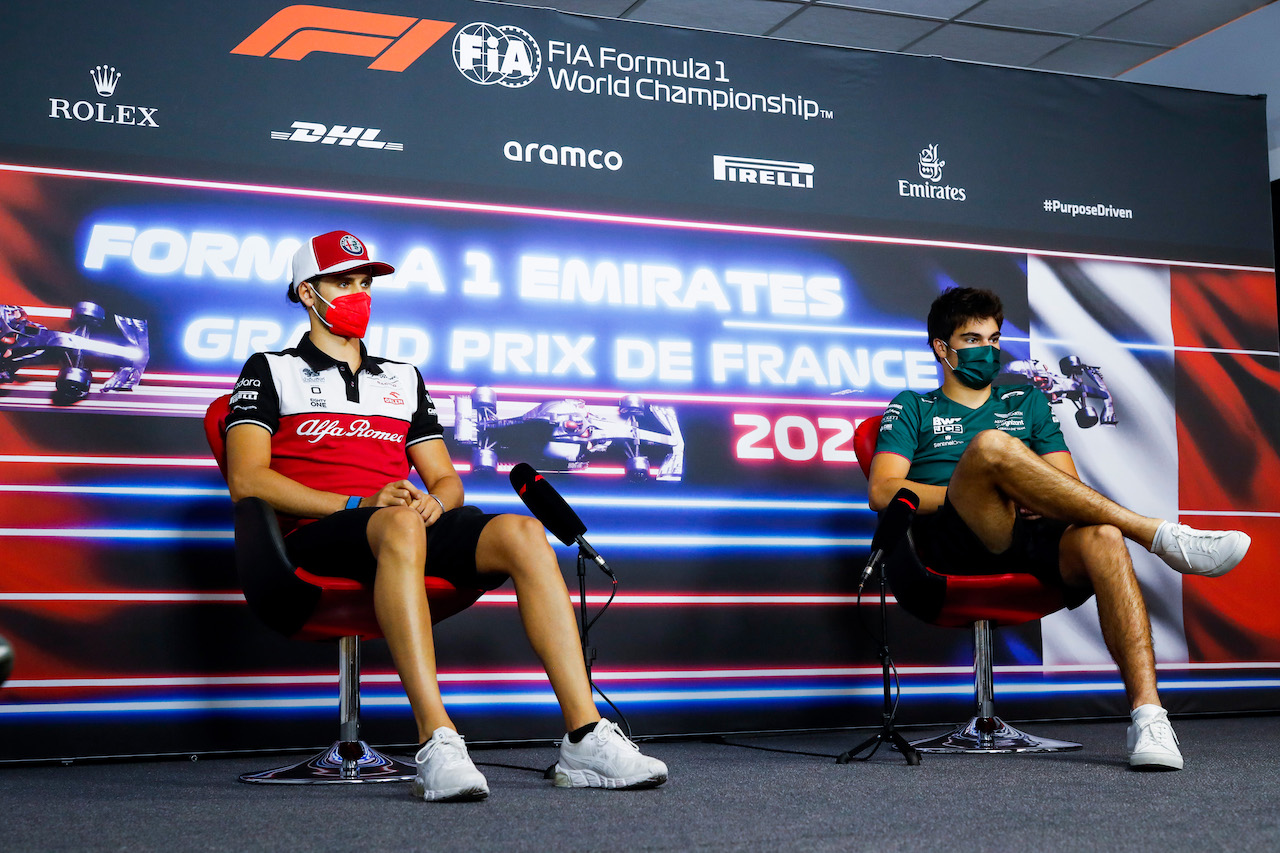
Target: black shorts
[948, 546]
[338, 546]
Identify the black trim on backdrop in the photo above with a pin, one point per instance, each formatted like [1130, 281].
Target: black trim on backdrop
[1186, 164]
[1275, 231]
[651, 118]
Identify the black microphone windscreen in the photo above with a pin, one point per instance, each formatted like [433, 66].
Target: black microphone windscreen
[895, 519]
[546, 504]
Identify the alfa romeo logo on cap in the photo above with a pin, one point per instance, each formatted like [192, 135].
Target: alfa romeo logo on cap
[351, 245]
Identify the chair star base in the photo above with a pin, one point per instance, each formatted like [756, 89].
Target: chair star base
[344, 762]
[983, 735]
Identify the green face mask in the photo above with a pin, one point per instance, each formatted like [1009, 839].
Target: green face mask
[975, 367]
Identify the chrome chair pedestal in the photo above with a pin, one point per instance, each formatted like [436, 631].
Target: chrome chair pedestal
[348, 759]
[983, 735]
[985, 732]
[343, 761]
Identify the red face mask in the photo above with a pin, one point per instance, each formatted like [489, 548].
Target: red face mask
[348, 316]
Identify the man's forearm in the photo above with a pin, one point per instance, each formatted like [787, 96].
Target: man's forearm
[449, 490]
[287, 495]
[931, 497]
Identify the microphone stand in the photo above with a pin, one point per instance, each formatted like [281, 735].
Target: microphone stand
[887, 734]
[588, 653]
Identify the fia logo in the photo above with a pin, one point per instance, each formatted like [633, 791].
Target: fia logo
[486, 54]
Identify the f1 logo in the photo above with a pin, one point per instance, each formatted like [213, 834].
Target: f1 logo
[395, 41]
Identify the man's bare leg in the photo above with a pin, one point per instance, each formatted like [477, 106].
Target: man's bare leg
[594, 753]
[516, 545]
[399, 541]
[998, 474]
[1096, 556]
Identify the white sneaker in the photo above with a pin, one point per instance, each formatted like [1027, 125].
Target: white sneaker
[606, 758]
[445, 771]
[1151, 741]
[1210, 553]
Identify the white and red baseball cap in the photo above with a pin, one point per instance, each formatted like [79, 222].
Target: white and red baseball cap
[334, 253]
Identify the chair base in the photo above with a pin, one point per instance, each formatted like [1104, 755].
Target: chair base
[343, 762]
[982, 735]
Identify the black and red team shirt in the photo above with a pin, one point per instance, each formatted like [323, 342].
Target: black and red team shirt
[331, 429]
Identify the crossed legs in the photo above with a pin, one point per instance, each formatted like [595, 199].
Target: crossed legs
[998, 475]
[510, 544]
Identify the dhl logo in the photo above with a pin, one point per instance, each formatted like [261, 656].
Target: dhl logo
[394, 41]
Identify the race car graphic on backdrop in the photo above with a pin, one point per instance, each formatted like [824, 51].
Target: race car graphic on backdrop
[567, 434]
[119, 342]
[1078, 382]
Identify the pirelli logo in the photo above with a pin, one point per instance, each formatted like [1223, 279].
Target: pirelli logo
[753, 170]
[394, 42]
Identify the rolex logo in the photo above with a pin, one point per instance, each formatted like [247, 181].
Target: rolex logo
[105, 79]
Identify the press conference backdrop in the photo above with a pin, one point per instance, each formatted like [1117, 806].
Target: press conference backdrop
[671, 269]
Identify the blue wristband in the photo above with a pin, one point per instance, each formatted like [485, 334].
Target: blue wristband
[353, 502]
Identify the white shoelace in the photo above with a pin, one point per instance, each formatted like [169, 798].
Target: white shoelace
[1206, 549]
[452, 750]
[612, 732]
[1183, 551]
[1160, 731]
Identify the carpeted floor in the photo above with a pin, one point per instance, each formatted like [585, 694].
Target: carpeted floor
[754, 793]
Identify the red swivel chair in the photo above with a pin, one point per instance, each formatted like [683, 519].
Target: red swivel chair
[980, 601]
[307, 606]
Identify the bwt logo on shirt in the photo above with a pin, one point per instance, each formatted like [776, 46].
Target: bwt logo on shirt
[947, 426]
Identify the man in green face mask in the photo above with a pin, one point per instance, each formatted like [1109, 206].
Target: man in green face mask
[999, 493]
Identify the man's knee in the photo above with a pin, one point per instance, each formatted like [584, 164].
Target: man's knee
[514, 543]
[1102, 538]
[399, 528]
[990, 449]
[992, 443]
[1102, 549]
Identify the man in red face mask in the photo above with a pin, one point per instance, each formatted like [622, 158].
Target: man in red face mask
[326, 434]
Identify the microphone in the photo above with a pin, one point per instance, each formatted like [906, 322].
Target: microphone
[893, 526]
[553, 511]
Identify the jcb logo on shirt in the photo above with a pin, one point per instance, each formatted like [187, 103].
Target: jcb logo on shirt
[947, 426]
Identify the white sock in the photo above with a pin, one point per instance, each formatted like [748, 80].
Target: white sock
[1155, 540]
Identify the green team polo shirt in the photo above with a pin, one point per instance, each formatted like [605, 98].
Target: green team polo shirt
[932, 430]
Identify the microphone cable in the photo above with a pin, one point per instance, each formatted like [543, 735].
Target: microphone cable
[622, 718]
[879, 642]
